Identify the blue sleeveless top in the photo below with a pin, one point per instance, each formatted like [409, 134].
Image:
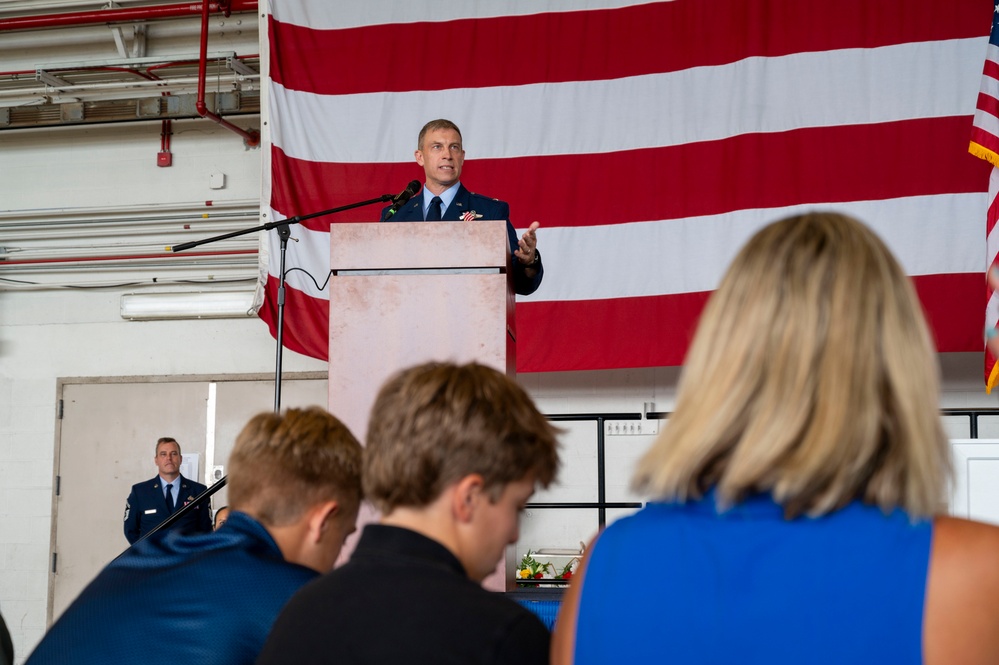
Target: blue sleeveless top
[681, 583]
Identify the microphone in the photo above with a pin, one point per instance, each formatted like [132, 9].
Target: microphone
[403, 197]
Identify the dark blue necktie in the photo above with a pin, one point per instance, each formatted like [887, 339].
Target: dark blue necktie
[434, 213]
[169, 498]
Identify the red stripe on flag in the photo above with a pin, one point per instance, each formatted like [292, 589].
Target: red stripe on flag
[991, 69]
[650, 331]
[987, 140]
[827, 165]
[656, 331]
[991, 216]
[987, 104]
[953, 307]
[602, 44]
[307, 320]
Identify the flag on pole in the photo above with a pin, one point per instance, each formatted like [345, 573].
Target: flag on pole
[649, 139]
[985, 144]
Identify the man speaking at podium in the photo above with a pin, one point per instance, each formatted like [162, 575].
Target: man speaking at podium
[444, 198]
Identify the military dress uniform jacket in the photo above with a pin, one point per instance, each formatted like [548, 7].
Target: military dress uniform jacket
[469, 202]
[146, 507]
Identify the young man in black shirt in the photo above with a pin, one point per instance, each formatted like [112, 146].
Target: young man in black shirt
[452, 456]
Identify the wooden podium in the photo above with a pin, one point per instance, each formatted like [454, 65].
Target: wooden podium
[407, 293]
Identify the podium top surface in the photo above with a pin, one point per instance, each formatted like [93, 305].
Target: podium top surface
[406, 245]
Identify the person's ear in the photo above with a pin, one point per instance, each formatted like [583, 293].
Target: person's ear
[418, 154]
[466, 496]
[320, 517]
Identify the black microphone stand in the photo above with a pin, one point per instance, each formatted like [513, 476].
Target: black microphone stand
[284, 233]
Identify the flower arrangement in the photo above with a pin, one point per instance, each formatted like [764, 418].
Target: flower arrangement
[532, 569]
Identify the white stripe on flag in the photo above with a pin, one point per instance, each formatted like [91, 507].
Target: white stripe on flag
[327, 15]
[702, 104]
[653, 258]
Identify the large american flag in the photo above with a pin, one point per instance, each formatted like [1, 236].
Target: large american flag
[650, 140]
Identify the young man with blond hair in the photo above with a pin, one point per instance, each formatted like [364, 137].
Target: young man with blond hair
[453, 454]
[294, 491]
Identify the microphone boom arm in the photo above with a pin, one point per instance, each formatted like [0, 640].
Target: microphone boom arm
[384, 198]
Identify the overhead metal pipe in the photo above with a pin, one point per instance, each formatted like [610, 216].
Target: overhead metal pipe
[137, 212]
[125, 15]
[251, 137]
[175, 85]
[102, 258]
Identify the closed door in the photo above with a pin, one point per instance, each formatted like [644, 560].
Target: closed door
[107, 443]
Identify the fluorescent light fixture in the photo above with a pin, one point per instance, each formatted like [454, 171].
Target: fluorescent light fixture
[191, 305]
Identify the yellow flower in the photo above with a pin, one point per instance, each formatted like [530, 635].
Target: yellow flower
[524, 573]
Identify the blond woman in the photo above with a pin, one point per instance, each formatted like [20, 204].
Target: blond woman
[801, 483]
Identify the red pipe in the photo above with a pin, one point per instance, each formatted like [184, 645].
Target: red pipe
[251, 137]
[125, 15]
[226, 7]
[164, 157]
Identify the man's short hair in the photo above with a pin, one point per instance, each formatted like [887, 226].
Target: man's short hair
[283, 464]
[166, 439]
[433, 424]
[434, 125]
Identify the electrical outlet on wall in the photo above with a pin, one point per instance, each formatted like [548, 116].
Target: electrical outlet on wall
[631, 427]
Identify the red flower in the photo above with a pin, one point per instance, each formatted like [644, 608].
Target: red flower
[538, 575]
[567, 575]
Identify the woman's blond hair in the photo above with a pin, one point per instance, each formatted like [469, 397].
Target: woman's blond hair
[812, 377]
